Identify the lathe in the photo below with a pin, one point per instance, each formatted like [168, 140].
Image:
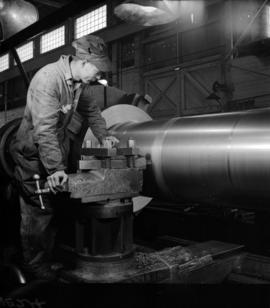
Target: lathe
[219, 160]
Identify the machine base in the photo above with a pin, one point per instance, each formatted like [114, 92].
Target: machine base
[209, 262]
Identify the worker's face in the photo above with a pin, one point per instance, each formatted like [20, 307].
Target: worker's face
[89, 72]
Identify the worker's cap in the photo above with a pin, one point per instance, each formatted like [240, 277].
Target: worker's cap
[93, 49]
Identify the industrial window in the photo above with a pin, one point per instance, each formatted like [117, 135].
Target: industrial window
[25, 52]
[128, 52]
[52, 39]
[91, 22]
[160, 53]
[4, 62]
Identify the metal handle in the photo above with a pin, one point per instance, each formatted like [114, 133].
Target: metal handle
[36, 177]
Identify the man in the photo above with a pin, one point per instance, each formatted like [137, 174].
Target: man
[42, 142]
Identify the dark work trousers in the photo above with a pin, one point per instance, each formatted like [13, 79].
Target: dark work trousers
[37, 231]
[37, 225]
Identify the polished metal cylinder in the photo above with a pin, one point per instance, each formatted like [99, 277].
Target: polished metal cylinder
[219, 158]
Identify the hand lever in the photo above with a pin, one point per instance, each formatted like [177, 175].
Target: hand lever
[36, 177]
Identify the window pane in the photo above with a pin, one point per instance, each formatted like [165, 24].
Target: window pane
[4, 62]
[160, 53]
[91, 22]
[52, 40]
[128, 52]
[25, 52]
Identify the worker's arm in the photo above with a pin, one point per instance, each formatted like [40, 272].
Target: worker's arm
[89, 109]
[92, 114]
[44, 102]
[97, 123]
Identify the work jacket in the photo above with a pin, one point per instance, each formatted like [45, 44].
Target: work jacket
[42, 141]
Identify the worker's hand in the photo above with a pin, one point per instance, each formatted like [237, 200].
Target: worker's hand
[57, 180]
[109, 142]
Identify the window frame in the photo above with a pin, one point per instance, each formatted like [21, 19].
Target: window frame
[8, 61]
[48, 32]
[33, 51]
[86, 13]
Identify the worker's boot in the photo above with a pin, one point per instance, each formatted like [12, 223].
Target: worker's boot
[41, 267]
[44, 271]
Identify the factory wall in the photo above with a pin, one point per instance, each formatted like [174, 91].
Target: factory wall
[251, 78]
[178, 65]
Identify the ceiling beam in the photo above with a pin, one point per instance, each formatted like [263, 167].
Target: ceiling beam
[51, 3]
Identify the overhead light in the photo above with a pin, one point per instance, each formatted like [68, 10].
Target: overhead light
[15, 15]
[144, 13]
[157, 12]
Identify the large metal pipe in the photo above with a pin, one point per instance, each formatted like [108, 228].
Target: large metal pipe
[219, 158]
